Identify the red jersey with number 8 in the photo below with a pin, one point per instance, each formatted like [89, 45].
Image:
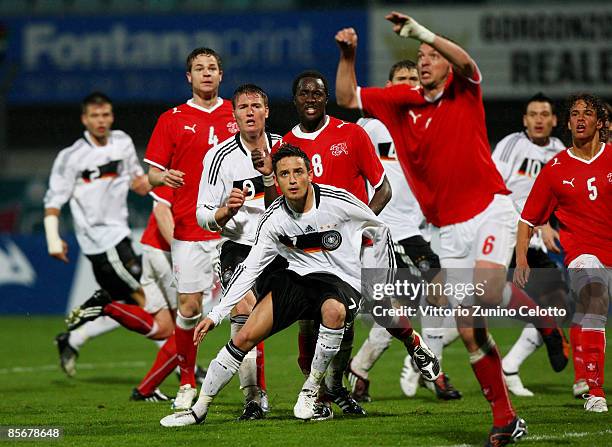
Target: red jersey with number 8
[342, 155]
[579, 192]
[181, 138]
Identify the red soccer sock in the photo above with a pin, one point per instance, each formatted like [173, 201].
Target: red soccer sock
[487, 368]
[306, 344]
[594, 355]
[261, 372]
[187, 353]
[131, 317]
[518, 299]
[404, 333]
[164, 364]
[575, 334]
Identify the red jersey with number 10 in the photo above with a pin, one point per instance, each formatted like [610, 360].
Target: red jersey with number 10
[342, 155]
[579, 192]
[441, 145]
[181, 138]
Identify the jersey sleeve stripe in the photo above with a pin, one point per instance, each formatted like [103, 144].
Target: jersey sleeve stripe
[343, 195]
[159, 199]
[505, 156]
[237, 272]
[275, 205]
[223, 152]
[527, 222]
[152, 163]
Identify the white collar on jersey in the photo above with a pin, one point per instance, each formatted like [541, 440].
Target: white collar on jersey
[91, 142]
[603, 146]
[204, 109]
[245, 148]
[309, 135]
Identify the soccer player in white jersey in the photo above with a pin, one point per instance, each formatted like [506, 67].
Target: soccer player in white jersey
[95, 175]
[577, 186]
[403, 216]
[519, 157]
[231, 201]
[319, 230]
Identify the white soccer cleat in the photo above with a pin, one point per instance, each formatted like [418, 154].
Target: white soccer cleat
[515, 385]
[181, 419]
[579, 388]
[409, 378]
[184, 398]
[305, 406]
[595, 404]
[263, 401]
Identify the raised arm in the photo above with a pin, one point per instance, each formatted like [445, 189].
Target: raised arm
[346, 79]
[405, 26]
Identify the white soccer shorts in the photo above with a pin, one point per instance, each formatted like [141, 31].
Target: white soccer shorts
[588, 269]
[192, 264]
[157, 280]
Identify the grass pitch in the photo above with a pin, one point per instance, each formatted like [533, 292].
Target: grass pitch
[93, 408]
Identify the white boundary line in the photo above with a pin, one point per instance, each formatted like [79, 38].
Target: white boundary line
[81, 366]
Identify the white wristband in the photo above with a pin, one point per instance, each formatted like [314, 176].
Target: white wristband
[417, 31]
[54, 242]
[268, 180]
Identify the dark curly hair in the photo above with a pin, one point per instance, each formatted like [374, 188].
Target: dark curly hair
[288, 150]
[597, 103]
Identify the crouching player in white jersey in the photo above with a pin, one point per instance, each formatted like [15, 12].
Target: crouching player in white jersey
[403, 216]
[519, 158]
[577, 186]
[231, 200]
[319, 230]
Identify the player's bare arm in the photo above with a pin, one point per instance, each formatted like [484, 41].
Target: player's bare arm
[165, 220]
[381, 197]
[523, 236]
[203, 328]
[346, 79]
[550, 237]
[171, 177]
[234, 202]
[262, 161]
[56, 246]
[140, 185]
[405, 26]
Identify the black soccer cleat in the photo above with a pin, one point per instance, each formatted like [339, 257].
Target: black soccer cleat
[89, 310]
[360, 386]
[322, 412]
[155, 396]
[252, 410]
[557, 348]
[442, 388]
[425, 360]
[67, 354]
[342, 398]
[508, 434]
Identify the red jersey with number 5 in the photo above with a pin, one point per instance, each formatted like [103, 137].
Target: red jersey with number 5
[342, 155]
[579, 192]
[181, 138]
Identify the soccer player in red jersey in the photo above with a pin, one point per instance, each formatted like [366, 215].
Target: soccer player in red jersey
[577, 186]
[181, 138]
[441, 142]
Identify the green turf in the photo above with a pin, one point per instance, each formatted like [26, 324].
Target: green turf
[93, 407]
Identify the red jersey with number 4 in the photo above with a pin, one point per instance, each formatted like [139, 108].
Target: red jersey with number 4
[181, 138]
[442, 146]
[151, 235]
[342, 155]
[579, 192]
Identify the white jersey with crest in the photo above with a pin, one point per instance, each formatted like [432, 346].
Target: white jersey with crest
[228, 165]
[326, 239]
[96, 181]
[519, 161]
[402, 214]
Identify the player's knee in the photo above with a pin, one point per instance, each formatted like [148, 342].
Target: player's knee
[333, 313]
[244, 339]
[492, 290]
[190, 304]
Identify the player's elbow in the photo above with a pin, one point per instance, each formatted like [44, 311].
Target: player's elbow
[347, 100]
[206, 218]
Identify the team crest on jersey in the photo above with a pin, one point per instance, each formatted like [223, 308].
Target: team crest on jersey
[232, 127]
[330, 240]
[338, 149]
[609, 177]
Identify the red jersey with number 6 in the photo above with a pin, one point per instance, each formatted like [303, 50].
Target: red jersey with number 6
[579, 192]
[181, 138]
[342, 155]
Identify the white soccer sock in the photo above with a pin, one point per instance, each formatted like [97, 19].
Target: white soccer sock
[527, 343]
[339, 363]
[328, 344]
[91, 329]
[451, 333]
[220, 372]
[433, 334]
[377, 342]
[248, 369]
